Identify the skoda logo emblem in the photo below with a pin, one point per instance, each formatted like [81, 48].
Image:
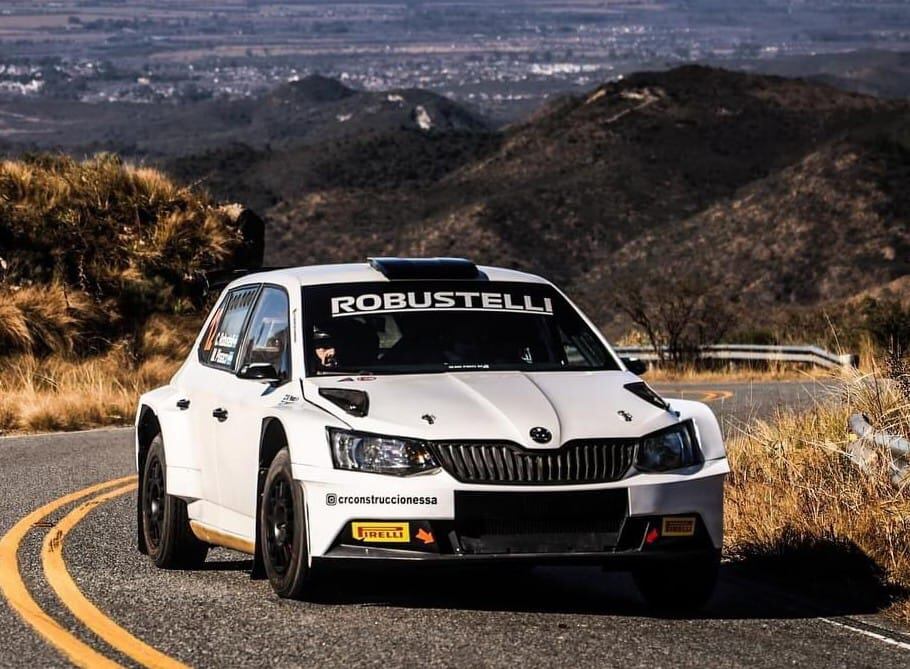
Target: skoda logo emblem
[541, 435]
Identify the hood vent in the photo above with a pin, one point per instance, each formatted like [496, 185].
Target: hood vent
[645, 392]
[354, 402]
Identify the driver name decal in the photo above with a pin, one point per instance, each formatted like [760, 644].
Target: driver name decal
[444, 300]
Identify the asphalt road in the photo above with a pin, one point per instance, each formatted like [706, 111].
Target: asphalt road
[735, 403]
[218, 617]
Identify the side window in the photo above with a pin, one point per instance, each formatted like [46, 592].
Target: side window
[221, 342]
[268, 337]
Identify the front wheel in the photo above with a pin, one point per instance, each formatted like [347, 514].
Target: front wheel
[282, 527]
[169, 541]
[678, 586]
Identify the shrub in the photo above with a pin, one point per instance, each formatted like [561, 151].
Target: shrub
[888, 321]
[100, 236]
[677, 319]
[48, 319]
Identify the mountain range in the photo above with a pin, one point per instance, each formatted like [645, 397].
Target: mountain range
[789, 194]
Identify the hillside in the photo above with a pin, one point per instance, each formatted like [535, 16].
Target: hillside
[834, 222]
[103, 269]
[789, 194]
[783, 196]
[299, 112]
[786, 191]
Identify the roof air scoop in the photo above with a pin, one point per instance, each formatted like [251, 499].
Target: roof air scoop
[426, 268]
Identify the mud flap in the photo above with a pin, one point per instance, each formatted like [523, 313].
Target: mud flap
[258, 572]
[140, 531]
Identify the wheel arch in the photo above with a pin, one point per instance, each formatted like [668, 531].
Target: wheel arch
[272, 439]
[147, 428]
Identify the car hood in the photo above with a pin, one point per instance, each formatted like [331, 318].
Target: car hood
[497, 405]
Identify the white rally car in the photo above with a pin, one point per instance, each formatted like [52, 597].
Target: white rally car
[424, 411]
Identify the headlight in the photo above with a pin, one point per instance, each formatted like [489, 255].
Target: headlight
[672, 448]
[381, 455]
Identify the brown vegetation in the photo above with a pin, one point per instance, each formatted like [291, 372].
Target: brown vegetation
[677, 323]
[63, 392]
[55, 394]
[46, 319]
[89, 250]
[100, 272]
[798, 506]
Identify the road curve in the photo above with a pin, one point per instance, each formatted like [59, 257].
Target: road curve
[80, 568]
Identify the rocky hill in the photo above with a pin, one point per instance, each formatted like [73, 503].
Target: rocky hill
[789, 194]
[786, 191]
[835, 221]
[299, 112]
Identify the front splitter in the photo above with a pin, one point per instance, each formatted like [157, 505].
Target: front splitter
[359, 557]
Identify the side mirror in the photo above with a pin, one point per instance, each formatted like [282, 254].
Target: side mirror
[636, 366]
[259, 371]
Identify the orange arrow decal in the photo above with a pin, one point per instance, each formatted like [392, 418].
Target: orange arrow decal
[424, 536]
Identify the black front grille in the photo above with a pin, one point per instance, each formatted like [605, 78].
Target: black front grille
[580, 461]
[539, 522]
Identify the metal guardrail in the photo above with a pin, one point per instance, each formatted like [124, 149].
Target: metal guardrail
[804, 354]
[870, 446]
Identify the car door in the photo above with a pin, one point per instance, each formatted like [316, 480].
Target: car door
[201, 384]
[266, 341]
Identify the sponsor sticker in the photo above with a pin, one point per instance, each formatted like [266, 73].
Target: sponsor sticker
[399, 533]
[331, 499]
[678, 527]
[223, 357]
[224, 340]
[443, 300]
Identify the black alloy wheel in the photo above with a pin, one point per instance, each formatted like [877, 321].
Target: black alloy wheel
[165, 524]
[280, 524]
[153, 497]
[282, 530]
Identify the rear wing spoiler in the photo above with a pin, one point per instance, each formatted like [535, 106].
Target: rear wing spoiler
[247, 258]
[216, 280]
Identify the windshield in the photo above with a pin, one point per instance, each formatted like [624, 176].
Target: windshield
[436, 326]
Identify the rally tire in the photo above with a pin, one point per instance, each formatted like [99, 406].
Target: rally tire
[169, 540]
[282, 527]
[678, 586]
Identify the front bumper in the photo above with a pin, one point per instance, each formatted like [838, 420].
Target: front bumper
[602, 523]
[636, 544]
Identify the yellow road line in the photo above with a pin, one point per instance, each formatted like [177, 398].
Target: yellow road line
[13, 587]
[714, 395]
[90, 615]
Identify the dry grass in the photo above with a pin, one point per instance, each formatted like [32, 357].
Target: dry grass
[99, 258]
[169, 336]
[798, 505]
[47, 319]
[772, 372]
[111, 218]
[54, 394]
[59, 392]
